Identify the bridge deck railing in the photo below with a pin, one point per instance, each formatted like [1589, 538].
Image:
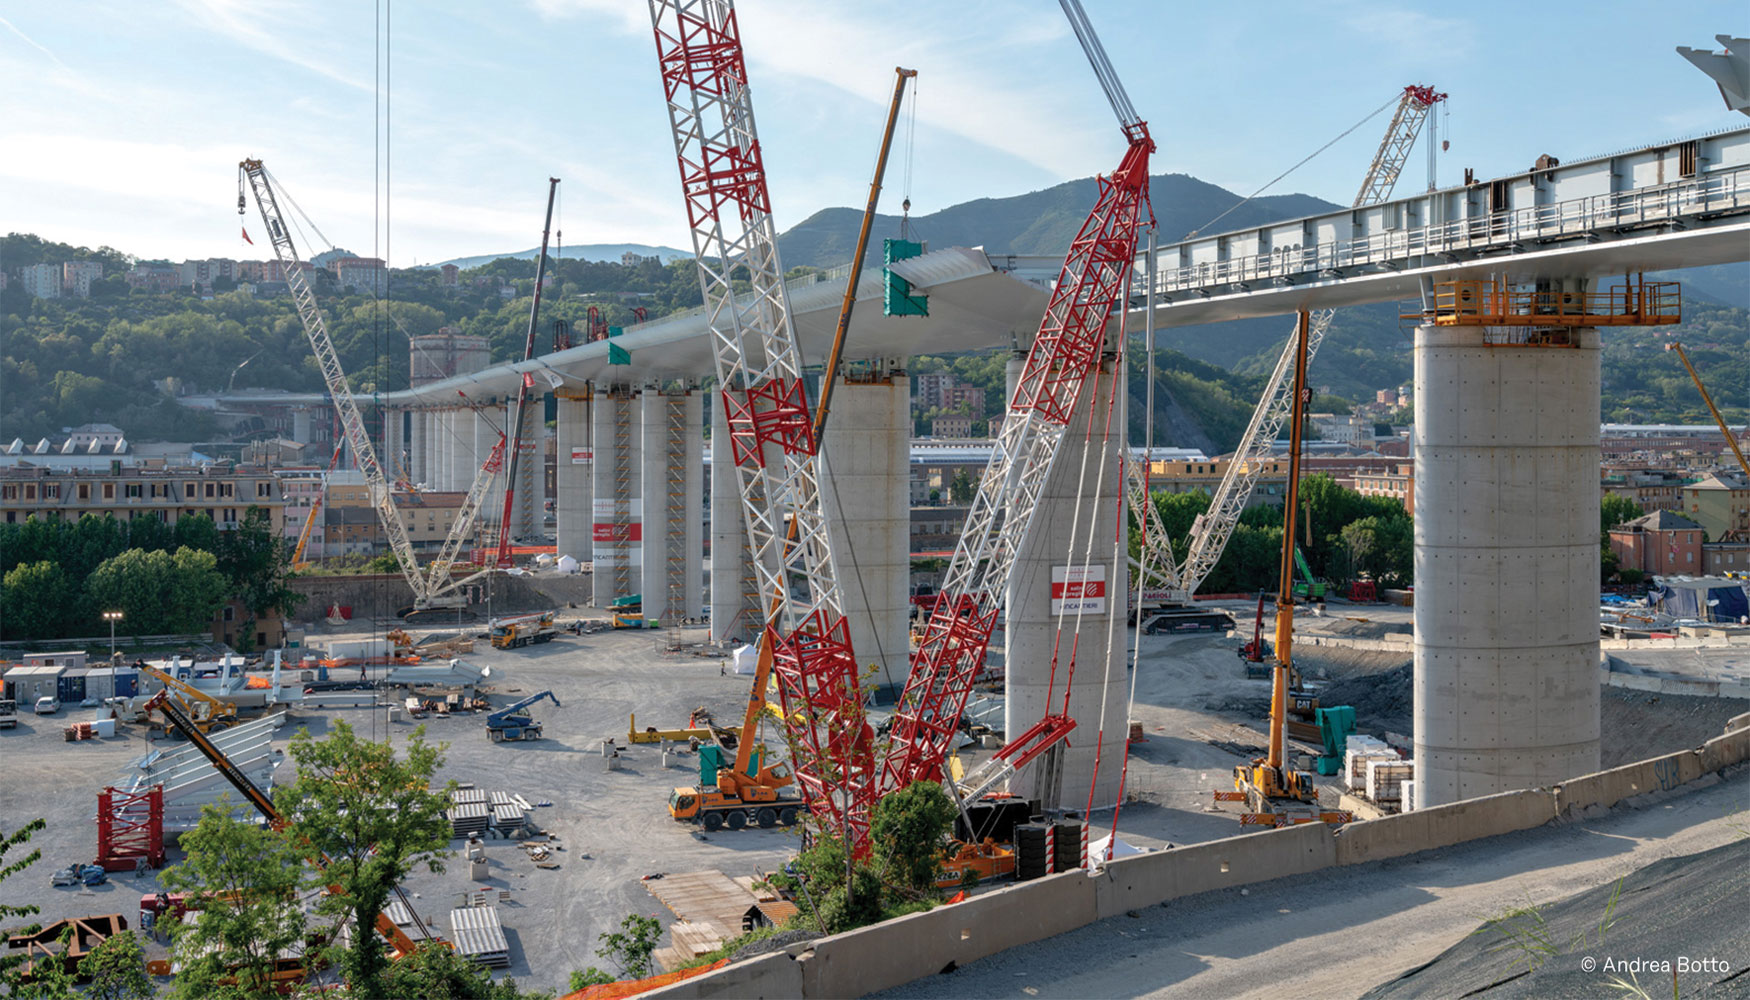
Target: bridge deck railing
[1723, 191]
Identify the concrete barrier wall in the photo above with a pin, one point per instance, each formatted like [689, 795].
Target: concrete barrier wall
[922, 944]
[1672, 684]
[1147, 879]
[1388, 644]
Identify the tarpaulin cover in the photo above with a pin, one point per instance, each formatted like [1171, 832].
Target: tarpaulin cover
[633, 987]
[1697, 599]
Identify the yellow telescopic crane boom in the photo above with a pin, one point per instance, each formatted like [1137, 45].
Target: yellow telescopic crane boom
[1731, 442]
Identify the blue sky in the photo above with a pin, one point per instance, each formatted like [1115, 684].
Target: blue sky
[124, 121]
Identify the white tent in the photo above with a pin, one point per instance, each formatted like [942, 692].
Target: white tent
[744, 660]
[1120, 849]
[567, 565]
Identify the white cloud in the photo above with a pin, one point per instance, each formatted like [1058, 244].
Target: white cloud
[272, 27]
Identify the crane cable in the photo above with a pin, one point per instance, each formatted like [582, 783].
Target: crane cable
[1340, 136]
[911, 129]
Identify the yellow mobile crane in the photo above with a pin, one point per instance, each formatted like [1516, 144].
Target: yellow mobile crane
[203, 711]
[1276, 795]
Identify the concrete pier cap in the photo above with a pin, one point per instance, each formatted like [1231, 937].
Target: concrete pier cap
[1506, 562]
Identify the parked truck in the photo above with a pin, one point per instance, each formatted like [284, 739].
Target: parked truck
[528, 630]
[8, 713]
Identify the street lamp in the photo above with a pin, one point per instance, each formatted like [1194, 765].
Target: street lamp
[112, 617]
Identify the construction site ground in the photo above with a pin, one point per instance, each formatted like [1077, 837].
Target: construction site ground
[1200, 716]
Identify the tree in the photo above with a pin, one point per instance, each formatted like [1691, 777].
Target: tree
[196, 531]
[629, 948]
[35, 601]
[373, 815]
[1382, 547]
[10, 844]
[173, 592]
[441, 974]
[961, 488]
[1614, 510]
[254, 558]
[906, 834]
[48, 980]
[117, 969]
[241, 879]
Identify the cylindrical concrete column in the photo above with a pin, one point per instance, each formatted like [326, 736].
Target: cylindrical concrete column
[416, 448]
[525, 513]
[1506, 557]
[1061, 549]
[618, 528]
[574, 483]
[864, 487]
[447, 443]
[301, 425]
[735, 607]
[673, 448]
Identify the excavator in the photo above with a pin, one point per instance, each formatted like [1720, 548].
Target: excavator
[1275, 794]
[400, 945]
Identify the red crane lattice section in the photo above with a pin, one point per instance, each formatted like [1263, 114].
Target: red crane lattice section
[1070, 342]
[783, 418]
[831, 744]
[130, 826]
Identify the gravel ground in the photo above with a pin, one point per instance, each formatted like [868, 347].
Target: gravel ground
[1339, 932]
[613, 826]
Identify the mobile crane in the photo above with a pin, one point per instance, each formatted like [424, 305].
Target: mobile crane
[513, 723]
[432, 590]
[523, 630]
[502, 558]
[202, 710]
[1275, 794]
[400, 945]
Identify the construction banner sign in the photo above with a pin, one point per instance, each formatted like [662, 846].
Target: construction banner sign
[1078, 590]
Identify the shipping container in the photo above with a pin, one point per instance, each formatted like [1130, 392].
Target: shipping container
[100, 683]
[70, 658]
[127, 682]
[70, 687]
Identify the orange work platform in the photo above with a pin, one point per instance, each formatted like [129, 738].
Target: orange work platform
[1495, 303]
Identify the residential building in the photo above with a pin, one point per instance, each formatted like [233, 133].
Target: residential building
[77, 276]
[354, 528]
[229, 622]
[42, 281]
[156, 276]
[1661, 543]
[1652, 489]
[220, 491]
[1399, 484]
[1343, 428]
[200, 274]
[966, 398]
[1720, 503]
[363, 274]
[951, 425]
[930, 389]
[1726, 559]
[350, 531]
[1386, 397]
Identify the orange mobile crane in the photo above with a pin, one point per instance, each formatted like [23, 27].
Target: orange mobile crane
[400, 944]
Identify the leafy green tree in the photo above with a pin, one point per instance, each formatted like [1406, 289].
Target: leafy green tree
[961, 488]
[47, 980]
[116, 969]
[1614, 510]
[10, 844]
[441, 974]
[241, 879]
[907, 833]
[374, 816]
[196, 531]
[254, 558]
[150, 533]
[629, 948]
[1382, 547]
[176, 592]
[36, 601]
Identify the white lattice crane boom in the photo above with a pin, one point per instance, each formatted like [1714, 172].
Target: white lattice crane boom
[429, 592]
[1211, 530]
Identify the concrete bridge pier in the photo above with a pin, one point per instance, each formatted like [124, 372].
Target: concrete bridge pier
[525, 512]
[418, 458]
[573, 507]
[672, 431]
[1506, 562]
[618, 505]
[735, 604]
[1062, 542]
[865, 490]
